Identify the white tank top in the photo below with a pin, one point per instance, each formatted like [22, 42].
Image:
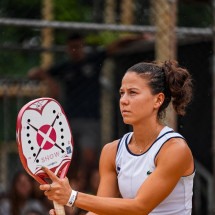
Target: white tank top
[133, 169]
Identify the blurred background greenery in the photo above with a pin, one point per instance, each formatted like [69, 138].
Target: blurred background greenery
[12, 63]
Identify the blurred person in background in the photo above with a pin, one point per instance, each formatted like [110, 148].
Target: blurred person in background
[76, 83]
[37, 194]
[20, 198]
[33, 212]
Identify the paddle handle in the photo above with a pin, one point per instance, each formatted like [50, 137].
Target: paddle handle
[59, 209]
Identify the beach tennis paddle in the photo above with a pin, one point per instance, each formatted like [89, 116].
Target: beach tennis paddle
[44, 139]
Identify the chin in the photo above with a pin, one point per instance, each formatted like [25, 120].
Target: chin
[127, 121]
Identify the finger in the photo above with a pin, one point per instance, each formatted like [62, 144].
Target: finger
[52, 212]
[51, 175]
[44, 187]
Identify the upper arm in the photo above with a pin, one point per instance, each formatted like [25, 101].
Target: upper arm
[173, 161]
[107, 171]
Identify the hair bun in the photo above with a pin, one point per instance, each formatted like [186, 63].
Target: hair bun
[179, 84]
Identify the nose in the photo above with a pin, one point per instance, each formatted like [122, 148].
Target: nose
[124, 100]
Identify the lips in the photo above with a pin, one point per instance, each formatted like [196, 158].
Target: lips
[125, 112]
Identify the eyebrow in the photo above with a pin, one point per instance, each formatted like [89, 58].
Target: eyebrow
[132, 88]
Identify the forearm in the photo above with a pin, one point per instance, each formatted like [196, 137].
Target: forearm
[110, 206]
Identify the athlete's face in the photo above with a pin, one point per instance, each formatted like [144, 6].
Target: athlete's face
[137, 103]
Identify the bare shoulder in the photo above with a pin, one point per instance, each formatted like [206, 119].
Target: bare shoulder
[108, 153]
[109, 150]
[177, 146]
[176, 152]
[111, 147]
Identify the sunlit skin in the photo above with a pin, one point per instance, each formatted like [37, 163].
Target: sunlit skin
[139, 108]
[137, 104]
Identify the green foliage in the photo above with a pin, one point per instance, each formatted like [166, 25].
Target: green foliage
[16, 64]
[20, 8]
[102, 38]
[13, 35]
[72, 10]
[195, 15]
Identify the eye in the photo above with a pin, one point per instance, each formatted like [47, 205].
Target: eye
[133, 92]
[121, 93]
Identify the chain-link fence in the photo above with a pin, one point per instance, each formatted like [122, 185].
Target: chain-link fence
[34, 42]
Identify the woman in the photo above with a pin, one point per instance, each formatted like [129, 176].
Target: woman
[21, 200]
[149, 170]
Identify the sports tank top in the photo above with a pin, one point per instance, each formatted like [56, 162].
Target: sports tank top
[132, 171]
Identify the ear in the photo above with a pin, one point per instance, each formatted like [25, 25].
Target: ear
[159, 99]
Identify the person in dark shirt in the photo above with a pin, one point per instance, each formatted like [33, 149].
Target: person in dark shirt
[79, 76]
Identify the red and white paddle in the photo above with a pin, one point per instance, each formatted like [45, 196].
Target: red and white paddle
[44, 139]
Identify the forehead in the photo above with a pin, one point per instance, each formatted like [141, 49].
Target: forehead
[132, 79]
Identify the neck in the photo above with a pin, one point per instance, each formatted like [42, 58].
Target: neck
[145, 135]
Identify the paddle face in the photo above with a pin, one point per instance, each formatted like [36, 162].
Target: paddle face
[44, 138]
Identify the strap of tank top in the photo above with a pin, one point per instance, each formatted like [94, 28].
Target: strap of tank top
[165, 138]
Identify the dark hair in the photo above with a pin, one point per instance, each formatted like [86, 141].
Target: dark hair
[74, 36]
[173, 81]
[15, 199]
